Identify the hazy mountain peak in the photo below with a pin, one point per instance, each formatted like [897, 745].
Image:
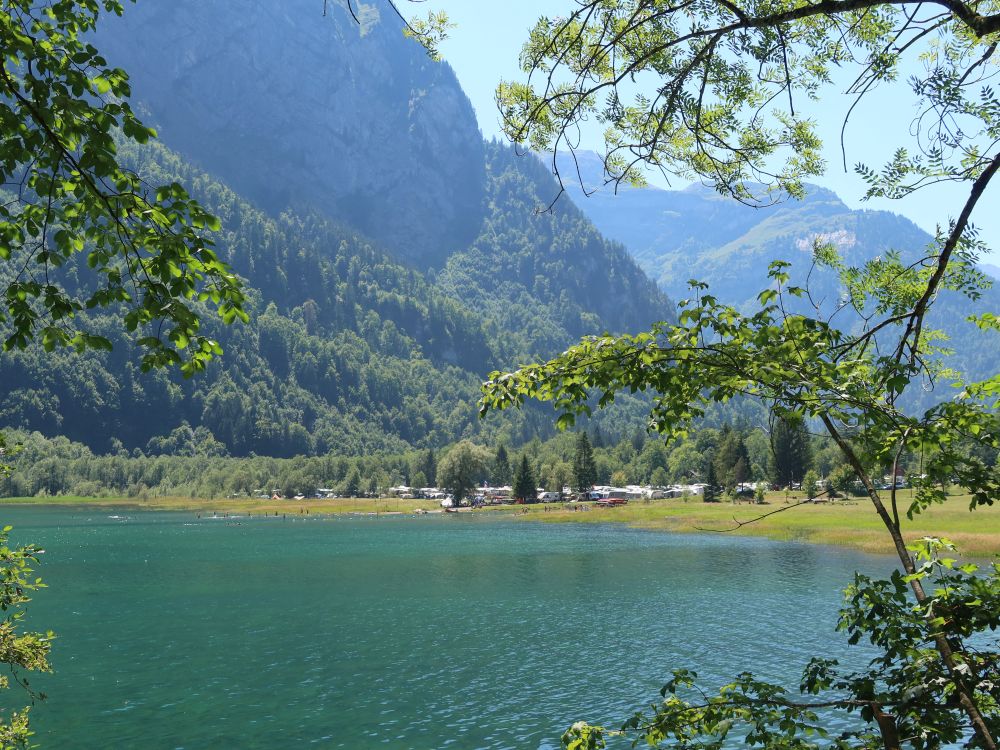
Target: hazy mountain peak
[991, 269]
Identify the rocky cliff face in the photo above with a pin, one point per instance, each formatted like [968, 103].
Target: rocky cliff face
[296, 109]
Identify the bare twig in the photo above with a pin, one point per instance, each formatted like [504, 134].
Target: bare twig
[741, 524]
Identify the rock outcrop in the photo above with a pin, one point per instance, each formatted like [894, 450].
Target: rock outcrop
[297, 109]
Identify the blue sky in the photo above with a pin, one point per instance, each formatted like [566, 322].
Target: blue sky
[484, 47]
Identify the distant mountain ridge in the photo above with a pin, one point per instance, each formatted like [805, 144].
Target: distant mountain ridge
[696, 233]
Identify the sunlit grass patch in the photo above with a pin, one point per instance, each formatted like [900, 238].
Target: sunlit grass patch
[849, 523]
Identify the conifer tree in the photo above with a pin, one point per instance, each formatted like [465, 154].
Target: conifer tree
[790, 452]
[430, 467]
[732, 461]
[501, 466]
[525, 487]
[711, 483]
[584, 467]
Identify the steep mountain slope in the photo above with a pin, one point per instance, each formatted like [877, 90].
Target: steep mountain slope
[545, 277]
[352, 121]
[347, 351]
[294, 109]
[354, 346]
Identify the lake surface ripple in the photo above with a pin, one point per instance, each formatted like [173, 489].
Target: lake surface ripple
[401, 632]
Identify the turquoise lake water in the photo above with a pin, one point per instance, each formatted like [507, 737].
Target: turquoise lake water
[400, 632]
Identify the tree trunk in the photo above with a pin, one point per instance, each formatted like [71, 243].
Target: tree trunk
[965, 695]
[887, 727]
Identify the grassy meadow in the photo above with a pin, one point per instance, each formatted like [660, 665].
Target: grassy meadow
[849, 523]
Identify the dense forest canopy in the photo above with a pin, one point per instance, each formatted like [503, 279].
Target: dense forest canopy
[348, 350]
[191, 462]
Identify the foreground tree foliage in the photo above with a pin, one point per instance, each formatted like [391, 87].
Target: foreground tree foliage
[725, 77]
[63, 193]
[61, 111]
[20, 651]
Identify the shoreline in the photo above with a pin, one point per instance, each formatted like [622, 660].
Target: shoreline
[846, 523]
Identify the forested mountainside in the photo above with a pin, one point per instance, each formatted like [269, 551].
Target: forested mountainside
[348, 349]
[394, 258]
[296, 109]
[545, 276]
[695, 233]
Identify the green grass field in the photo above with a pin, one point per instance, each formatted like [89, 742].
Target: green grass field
[850, 523]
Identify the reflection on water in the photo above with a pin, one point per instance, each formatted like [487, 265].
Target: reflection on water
[421, 632]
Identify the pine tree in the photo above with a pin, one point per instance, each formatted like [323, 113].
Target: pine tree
[732, 461]
[791, 455]
[525, 488]
[430, 467]
[501, 466]
[584, 468]
[711, 483]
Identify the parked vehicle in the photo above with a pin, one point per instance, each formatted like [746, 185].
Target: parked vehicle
[612, 501]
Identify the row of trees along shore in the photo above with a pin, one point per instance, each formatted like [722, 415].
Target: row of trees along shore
[780, 455]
